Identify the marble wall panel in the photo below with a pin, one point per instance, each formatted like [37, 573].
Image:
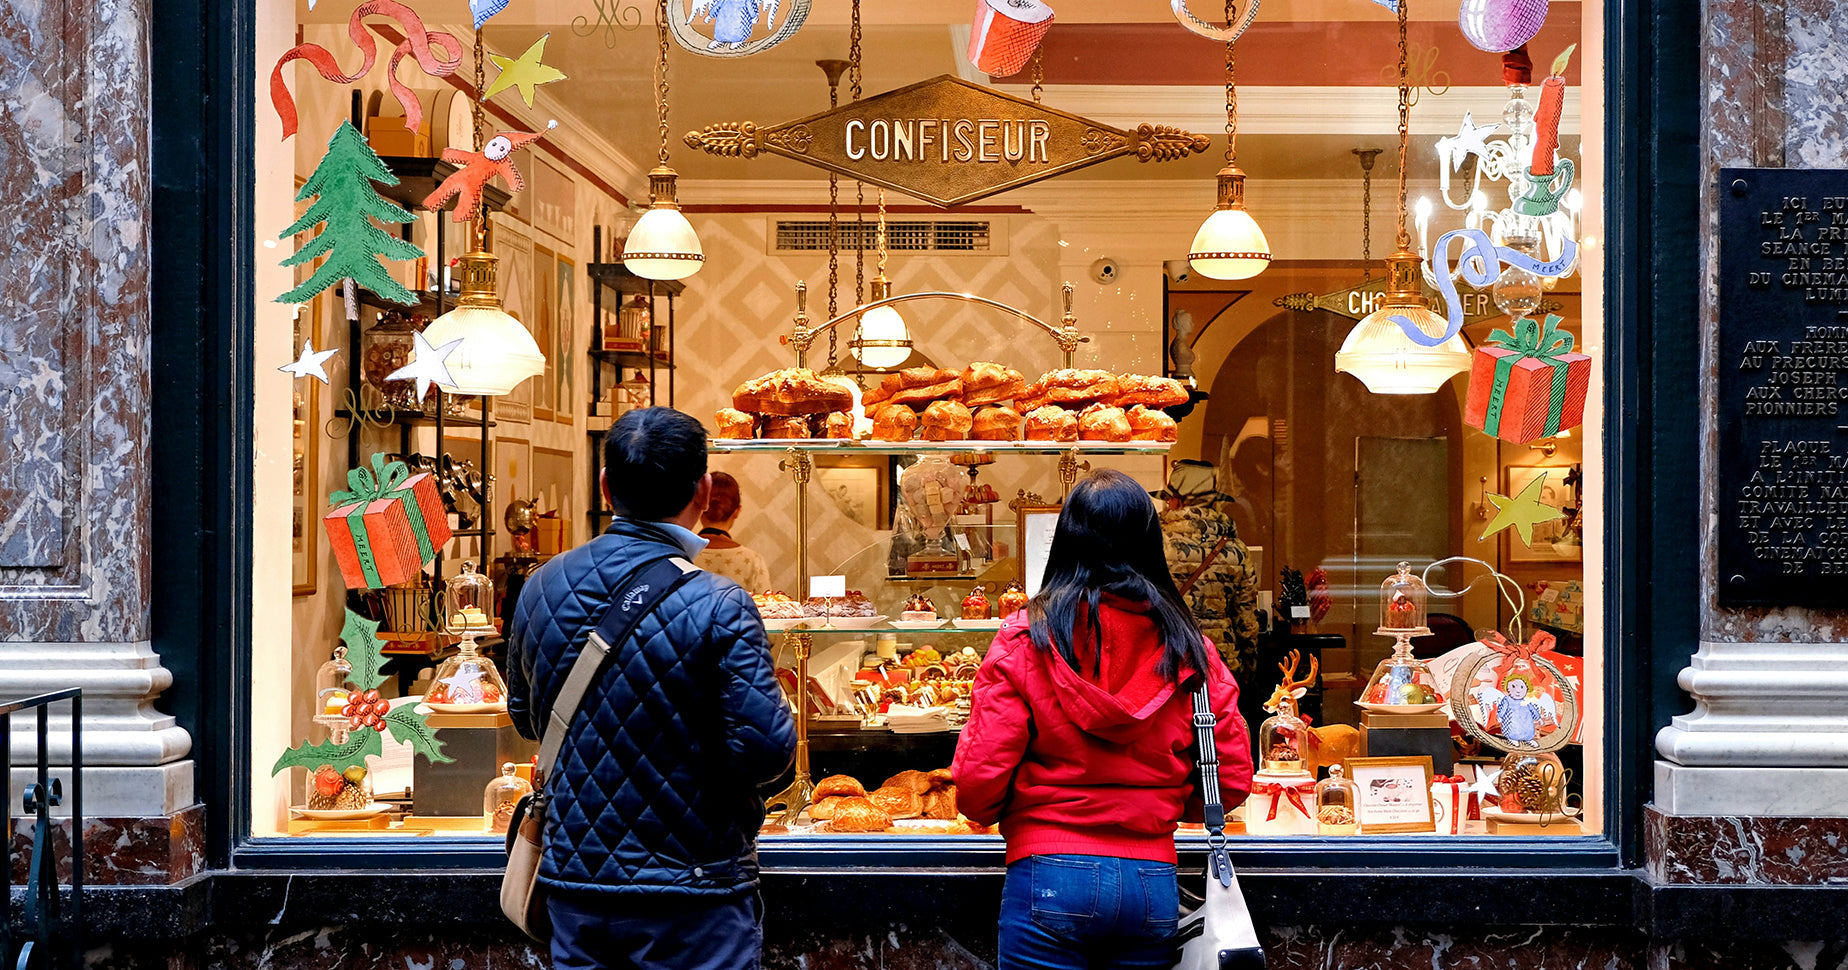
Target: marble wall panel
[1694, 850]
[154, 851]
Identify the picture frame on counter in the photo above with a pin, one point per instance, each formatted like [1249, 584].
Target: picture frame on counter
[1395, 795]
[860, 486]
[1034, 526]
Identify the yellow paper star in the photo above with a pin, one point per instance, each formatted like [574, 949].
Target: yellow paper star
[1523, 512]
[523, 72]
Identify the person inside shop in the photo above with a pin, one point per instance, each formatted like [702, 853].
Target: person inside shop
[1080, 740]
[650, 837]
[1209, 564]
[725, 555]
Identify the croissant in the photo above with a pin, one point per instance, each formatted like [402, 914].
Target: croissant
[859, 815]
[838, 785]
[898, 802]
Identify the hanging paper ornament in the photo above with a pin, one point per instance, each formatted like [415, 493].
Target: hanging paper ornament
[732, 22]
[1528, 384]
[524, 72]
[309, 363]
[1549, 177]
[419, 43]
[1005, 33]
[483, 9]
[345, 206]
[427, 365]
[386, 524]
[1501, 25]
[478, 169]
[1392, 5]
[1227, 33]
[1521, 512]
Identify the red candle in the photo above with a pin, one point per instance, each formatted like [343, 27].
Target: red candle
[1546, 120]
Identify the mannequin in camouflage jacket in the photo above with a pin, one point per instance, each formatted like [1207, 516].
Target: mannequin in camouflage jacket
[1225, 597]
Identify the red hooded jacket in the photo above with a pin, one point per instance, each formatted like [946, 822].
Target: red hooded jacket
[1093, 763]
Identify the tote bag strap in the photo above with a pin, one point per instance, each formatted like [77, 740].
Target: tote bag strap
[1219, 861]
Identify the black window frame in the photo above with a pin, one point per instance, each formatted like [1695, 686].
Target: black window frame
[204, 97]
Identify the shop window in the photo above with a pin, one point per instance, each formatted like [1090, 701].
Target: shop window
[416, 515]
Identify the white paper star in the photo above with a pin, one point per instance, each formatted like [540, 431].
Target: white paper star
[309, 363]
[426, 366]
[1470, 139]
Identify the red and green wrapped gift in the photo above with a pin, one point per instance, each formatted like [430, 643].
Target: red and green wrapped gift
[386, 524]
[1528, 384]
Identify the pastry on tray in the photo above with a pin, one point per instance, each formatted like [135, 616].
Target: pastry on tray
[1074, 387]
[834, 424]
[1149, 424]
[791, 392]
[894, 422]
[915, 385]
[1101, 422]
[859, 814]
[1051, 423]
[898, 802]
[918, 609]
[988, 383]
[995, 423]
[853, 604]
[838, 785]
[780, 426]
[822, 809]
[1155, 392]
[946, 421]
[777, 606]
[940, 802]
[734, 423]
[976, 605]
[917, 782]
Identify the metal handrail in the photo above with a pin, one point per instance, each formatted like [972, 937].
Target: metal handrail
[45, 793]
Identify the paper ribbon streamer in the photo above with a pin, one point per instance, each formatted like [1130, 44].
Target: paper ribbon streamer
[418, 42]
[1278, 792]
[1530, 340]
[1481, 264]
[384, 480]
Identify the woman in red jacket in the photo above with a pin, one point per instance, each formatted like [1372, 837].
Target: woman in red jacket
[1080, 741]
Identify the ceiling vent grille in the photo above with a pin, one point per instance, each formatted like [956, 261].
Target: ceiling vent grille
[919, 236]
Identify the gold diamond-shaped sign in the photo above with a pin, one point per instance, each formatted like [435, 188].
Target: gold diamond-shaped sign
[947, 141]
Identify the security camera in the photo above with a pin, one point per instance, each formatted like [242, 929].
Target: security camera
[1105, 271]
[1179, 270]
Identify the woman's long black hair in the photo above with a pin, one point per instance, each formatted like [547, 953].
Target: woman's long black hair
[1108, 540]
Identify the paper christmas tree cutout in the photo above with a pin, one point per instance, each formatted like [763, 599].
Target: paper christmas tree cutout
[366, 653]
[345, 206]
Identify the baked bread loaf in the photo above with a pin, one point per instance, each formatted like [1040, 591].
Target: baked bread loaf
[834, 424]
[838, 785]
[1156, 392]
[946, 421]
[898, 802]
[734, 423]
[940, 803]
[917, 782]
[894, 422]
[859, 815]
[1051, 423]
[1148, 424]
[1073, 387]
[914, 385]
[1101, 422]
[988, 383]
[791, 392]
[777, 426]
[995, 423]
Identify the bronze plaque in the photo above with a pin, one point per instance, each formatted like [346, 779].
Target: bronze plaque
[947, 141]
[1356, 302]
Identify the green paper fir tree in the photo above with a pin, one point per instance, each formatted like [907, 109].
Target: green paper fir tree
[345, 205]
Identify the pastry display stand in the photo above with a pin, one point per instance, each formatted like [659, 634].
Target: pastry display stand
[798, 463]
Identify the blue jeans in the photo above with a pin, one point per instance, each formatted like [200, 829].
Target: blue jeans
[1086, 912]
[655, 933]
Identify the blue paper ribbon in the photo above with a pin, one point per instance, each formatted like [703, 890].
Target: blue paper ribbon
[1481, 264]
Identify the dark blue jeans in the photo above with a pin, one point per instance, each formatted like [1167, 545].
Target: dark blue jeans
[1086, 912]
[655, 933]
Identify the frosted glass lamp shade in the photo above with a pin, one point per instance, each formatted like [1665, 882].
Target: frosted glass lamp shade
[496, 355]
[890, 340]
[1379, 354]
[663, 246]
[1229, 246]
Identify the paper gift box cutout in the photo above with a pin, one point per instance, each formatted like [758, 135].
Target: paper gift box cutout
[1005, 33]
[1529, 385]
[386, 525]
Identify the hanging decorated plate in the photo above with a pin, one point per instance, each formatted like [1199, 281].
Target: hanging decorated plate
[730, 28]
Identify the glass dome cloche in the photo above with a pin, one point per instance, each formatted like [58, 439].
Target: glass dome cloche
[332, 694]
[1336, 798]
[1403, 601]
[467, 682]
[1402, 684]
[1281, 736]
[502, 794]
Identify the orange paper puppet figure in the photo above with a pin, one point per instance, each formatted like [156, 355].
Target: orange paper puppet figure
[479, 168]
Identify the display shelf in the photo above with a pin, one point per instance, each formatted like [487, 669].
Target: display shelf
[426, 301]
[616, 278]
[633, 358]
[877, 741]
[719, 446]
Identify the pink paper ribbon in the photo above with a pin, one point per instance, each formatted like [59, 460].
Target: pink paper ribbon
[418, 42]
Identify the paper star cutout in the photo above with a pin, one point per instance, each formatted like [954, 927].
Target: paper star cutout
[427, 366]
[1523, 512]
[309, 363]
[523, 72]
[1470, 139]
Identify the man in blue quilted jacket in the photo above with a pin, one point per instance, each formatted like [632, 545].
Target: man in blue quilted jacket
[650, 840]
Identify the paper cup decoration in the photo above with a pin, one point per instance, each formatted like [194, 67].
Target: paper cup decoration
[386, 525]
[1529, 384]
[1498, 26]
[1006, 33]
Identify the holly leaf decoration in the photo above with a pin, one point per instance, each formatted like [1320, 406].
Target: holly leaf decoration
[364, 651]
[408, 727]
[359, 746]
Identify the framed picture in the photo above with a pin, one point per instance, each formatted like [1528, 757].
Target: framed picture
[1555, 541]
[1033, 529]
[565, 349]
[1395, 794]
[545, 289]
[305, 498]
[515, 279]
[859, 485]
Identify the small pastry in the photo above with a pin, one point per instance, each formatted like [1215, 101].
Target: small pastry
[777, 606]
[898, 802]
[922, 385]
[1074, 387]
[859, 815]
[976, 606]
[946, 421]
[786, 427]
[833, 785]
[987, 383]
[997, 423]
[1148, 424]
[834, 424]
[1052, 423]
[1101, 422]
[894, 422]
[918, 609]
[1155, 392]
[941, 776]
[940, 803]
[1013, 599]
[734, 424]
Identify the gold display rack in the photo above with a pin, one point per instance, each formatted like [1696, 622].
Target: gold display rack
[799, 464]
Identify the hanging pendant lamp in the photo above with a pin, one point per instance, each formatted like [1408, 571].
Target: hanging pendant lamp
[883, 341]
[1230, 245]
[1377, 351]
[663, 245]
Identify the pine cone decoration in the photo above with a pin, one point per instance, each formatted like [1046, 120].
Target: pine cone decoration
[1523, 782]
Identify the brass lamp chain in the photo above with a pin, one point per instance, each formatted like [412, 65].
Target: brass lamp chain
[834, 235]
[661, 73]
[1231, 97]
[1039, 76]
[1366, 215]
[859, 188]
[481, 206]
[1405, 114]
[882, 233]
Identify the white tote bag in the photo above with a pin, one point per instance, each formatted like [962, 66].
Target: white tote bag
[1218, 934]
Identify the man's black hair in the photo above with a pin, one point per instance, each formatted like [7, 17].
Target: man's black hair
[653, 459]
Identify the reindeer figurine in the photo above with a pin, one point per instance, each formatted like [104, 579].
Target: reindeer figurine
[1286, 742]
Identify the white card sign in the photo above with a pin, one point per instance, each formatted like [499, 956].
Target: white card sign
[828, 587]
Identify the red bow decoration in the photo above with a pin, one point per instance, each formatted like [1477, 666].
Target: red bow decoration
[1279, 792]
[1309, 735]
[418, 42]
